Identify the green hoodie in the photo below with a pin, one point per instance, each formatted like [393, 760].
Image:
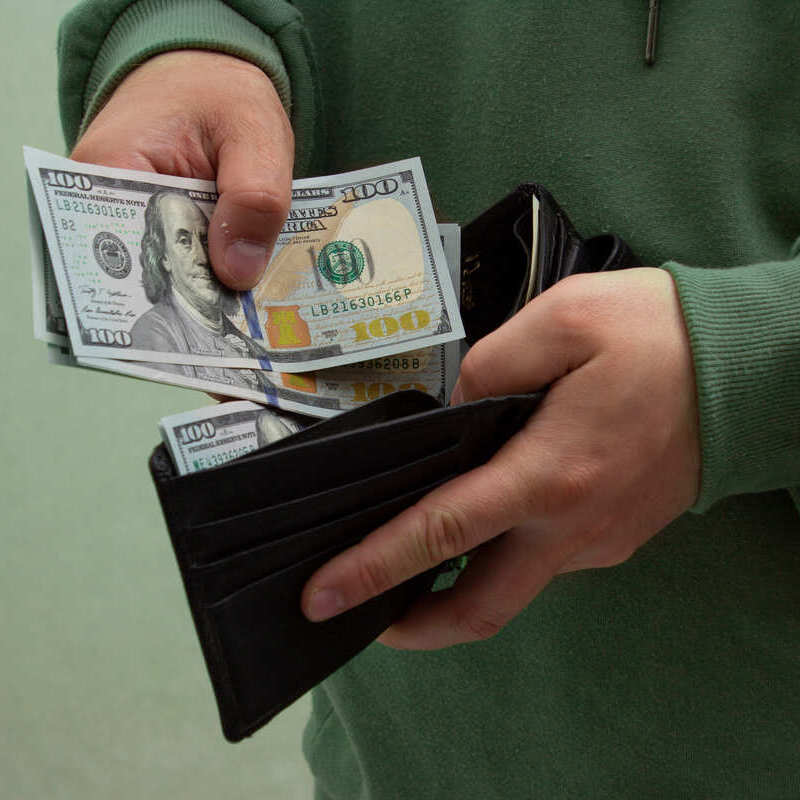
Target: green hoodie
[674, 674]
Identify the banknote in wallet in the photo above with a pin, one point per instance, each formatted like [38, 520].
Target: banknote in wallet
[248, 534]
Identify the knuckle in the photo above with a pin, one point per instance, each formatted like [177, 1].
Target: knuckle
[441, 533]
[568, 489]
[240, 81]
[373, 574]
[570, 314]
[475, 368]
[81, 149]
[96, 145]
[576, 305]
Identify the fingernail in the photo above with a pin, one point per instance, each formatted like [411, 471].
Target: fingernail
[245, 261]
[458, 394]
[324, 603]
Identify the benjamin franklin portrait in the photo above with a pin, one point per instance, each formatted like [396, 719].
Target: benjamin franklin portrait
[189, 303]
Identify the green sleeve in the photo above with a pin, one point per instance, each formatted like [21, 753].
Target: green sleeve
[744, 328]
[101, 41]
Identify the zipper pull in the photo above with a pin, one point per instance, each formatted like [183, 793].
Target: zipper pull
[652, 33]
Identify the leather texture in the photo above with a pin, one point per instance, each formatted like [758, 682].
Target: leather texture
[247, 535]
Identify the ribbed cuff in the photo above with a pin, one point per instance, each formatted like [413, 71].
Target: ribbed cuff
[101, 42]
[744, 327]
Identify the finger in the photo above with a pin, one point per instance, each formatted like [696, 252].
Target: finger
[552, 335]
[449, 521]
[499, 582]
[254, 181]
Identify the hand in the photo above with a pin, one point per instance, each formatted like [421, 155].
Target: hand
[609, 458]
[201, 114]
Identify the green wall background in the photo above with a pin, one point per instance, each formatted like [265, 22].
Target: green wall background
[103, 691]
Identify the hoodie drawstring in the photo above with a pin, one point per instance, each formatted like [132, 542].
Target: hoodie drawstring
[652, 33]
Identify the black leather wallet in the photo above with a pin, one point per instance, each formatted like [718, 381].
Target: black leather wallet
[521, 246]
[247, 535]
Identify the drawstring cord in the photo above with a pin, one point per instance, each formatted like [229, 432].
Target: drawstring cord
[652, 33]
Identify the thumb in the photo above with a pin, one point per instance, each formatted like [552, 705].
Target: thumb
[254, 181]
[542, 342]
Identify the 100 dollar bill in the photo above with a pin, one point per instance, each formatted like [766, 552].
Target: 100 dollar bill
[358, 270]
[211, 436]
[320, 394]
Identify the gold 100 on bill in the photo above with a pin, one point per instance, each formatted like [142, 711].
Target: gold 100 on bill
[358, 270]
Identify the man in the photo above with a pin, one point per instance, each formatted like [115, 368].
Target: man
[673, 674]
[187, 314]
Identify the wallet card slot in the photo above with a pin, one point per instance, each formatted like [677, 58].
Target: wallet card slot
[402, 403]
[329, 463]
[211, 541]
[263, 654]
[216, 580]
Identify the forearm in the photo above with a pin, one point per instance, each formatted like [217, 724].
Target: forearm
[744, 328]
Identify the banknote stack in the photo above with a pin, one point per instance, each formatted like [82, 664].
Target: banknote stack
[357, 301]
[213, 435]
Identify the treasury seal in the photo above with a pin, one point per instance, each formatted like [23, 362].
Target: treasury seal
[340, 262]
[111, 255]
